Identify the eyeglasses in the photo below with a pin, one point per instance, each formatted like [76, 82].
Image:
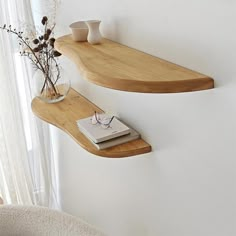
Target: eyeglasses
[102, 120]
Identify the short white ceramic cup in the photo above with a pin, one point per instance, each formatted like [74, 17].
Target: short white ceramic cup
[79, 31]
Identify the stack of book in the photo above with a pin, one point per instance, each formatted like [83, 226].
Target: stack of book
[117, 133]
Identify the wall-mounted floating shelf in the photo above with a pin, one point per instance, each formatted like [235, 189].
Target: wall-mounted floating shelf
[64, 115]
[116, 66]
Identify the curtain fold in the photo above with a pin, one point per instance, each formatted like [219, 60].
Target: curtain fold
[27, 166]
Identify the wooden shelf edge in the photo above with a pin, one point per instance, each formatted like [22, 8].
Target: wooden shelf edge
[105, 64]
[64, 115]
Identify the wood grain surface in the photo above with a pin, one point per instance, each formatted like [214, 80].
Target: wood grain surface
[64, 115]
[116, 66]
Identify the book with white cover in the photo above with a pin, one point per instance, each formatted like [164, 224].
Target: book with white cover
[133, 135]
[98, 134]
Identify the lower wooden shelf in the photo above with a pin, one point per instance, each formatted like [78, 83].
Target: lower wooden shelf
[64, 115]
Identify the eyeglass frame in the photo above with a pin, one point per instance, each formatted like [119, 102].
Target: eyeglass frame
[107, 125]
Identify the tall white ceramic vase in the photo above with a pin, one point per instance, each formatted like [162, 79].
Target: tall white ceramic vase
[94, 36]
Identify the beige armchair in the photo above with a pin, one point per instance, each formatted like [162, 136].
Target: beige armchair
[41, 221]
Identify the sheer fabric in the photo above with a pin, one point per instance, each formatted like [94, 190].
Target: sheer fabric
[27, 168]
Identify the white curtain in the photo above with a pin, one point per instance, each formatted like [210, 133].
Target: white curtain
[27, 167]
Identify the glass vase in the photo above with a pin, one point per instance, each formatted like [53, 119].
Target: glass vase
[51, 87]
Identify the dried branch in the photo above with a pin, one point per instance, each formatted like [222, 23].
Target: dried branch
[40, 51]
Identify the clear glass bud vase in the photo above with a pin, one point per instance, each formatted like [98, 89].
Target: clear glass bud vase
[51, 87]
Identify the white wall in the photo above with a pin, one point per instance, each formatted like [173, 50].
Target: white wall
[187, 185]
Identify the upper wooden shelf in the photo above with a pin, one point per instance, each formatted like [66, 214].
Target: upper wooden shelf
[116, 66]
[64, 115]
